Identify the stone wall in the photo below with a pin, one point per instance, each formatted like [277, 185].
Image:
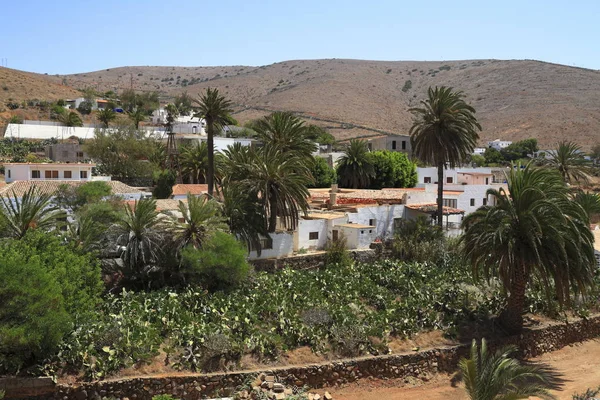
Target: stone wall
[308, 261]
[419, 365]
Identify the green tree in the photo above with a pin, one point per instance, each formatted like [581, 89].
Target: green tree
[201, 219]
[478, 161]
[136, 116]
[595, 154]
[590, 202]
[194, 162]
[74, 197]
[498, 376]
[214, 108]
[286, 133]
[534, 229]
[324, 176]
[34, 210]
[164, 181]
[444, 133]
[89, 231]
[319, 135]
[141, 234]
[70, 119]
[106, 116]
[221, 264]
[184, 103]
[85, 108]
[493, 156]
[570, 162]
[392, 170]
[355, 168]
[33, 319]
[172, 113]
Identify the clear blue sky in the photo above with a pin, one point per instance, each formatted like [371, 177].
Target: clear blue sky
[81, 35]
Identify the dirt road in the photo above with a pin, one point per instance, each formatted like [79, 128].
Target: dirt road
[579, 365]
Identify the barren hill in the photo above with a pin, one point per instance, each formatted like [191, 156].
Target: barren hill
[19, 86]
[513, 99]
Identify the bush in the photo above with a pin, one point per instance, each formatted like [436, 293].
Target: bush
[337, 253]
[418, 240]
[75, 197]
[78, 275]
[33, 318]
[392, 170]
[220, 264]
[85, 107]
[324, 175]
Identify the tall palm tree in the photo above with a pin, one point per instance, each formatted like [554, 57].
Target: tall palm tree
[287, 133]
[276, 179]
[194, 162]
[590, 202]
[141, 234]
[70, 119]
[355, 168]
[106, 116]
[535, 228]
[498, 376]
[201, 218]
[215, 110]
[136, 116]
[444, 133]
[570, 161]
[34, 210]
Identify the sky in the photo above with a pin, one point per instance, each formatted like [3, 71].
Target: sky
[81, 36]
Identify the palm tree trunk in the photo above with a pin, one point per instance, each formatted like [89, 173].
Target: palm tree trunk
[440, 196]
[273, 211]
[210, 173]
[511, 318]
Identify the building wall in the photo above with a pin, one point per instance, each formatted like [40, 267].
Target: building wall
[499, 144]
[468, 179]
[431, 173]
[20, 131]
[357, 238]
[22, 172]
[283, 245]
[305, 227]
[66, 152]
[381, 216]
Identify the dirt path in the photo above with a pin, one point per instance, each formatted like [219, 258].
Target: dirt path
[579, 365]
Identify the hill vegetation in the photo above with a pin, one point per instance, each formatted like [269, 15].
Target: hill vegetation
[514, 100]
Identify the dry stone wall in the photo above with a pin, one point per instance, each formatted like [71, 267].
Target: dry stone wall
[419, 365]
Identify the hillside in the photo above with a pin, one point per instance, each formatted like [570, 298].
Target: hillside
[19, 86]
[513, 99]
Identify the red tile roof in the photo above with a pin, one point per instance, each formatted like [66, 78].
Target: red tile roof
[431, 208]
[50, 187]
[194, 189]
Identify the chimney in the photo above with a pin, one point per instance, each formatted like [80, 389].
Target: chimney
[332, 199]
[334, 188]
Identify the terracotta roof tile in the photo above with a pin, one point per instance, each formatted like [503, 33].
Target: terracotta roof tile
[184, 189]
[50, 187]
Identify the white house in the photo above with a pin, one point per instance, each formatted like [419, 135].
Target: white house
[479, 151]
[80, 172]
[462, 176]
[220, 143]
[186, 124]
[499, 144]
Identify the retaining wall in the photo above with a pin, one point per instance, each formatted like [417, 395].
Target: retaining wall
[420, 364]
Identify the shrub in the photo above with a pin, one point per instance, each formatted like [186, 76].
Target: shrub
[33, 319]
[337, 254]
[407, 85]
[85, 107]
[221, 264]
[418, 240]
[165, 179]
[392, 170]
[323, 174]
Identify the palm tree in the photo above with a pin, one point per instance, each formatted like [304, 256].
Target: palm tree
[590, 202]
[140, 233]
[355, 168]
[106, 116]
[70, 119]
[194, 161]
[244, 215]
[535, 229]
[136, 116]
[215, 110]
[34, 210]
[498, 376]
[201, 218]
[276, 179]
[287, 133]
[444, 133]
[570, 161]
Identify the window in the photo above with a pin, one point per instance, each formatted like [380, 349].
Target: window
[427, 179]
[313, 235]
[67, 174]
[9, 173]
[449, 179]
[83, 174]
[54, 174]
[393, 145]
[484, 201]
[472, 202]
[404, 145]
[80, 154]
[265, 244]
[487, 181]
[35, 174]
[51, 174]
[362, 232]
[449, 203]
[372, 222]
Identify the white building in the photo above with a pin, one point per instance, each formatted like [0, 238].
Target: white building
[48, 131]
[499, 144]
[79, 172]
[185, 124]
[461, 176]
[220, 143]
[479, 151]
